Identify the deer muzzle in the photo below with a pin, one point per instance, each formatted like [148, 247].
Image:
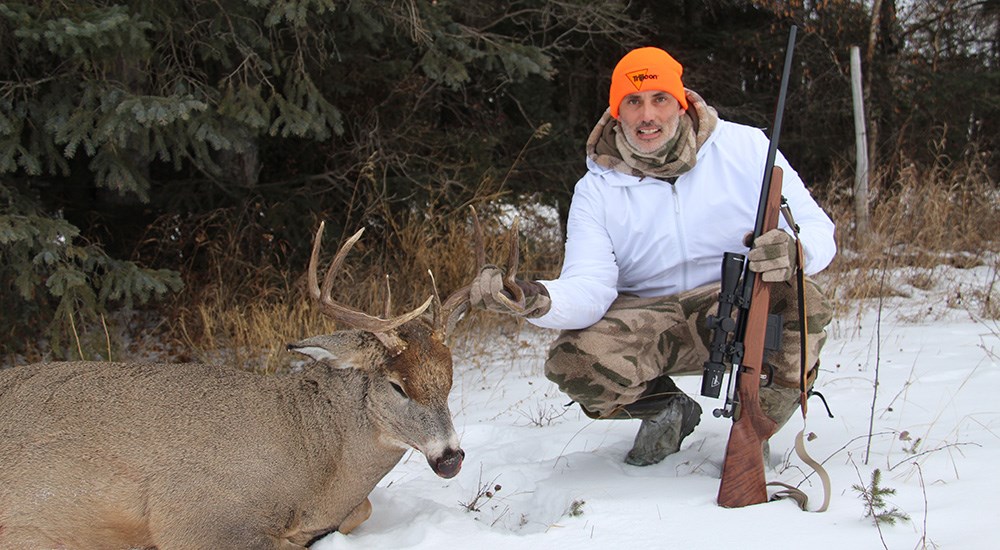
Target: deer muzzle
[448, 464]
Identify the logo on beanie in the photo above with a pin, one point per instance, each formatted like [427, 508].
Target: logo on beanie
[638, 77]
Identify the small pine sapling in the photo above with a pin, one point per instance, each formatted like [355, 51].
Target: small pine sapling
[873, 496]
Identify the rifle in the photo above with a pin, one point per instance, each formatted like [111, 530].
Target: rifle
[741, 342]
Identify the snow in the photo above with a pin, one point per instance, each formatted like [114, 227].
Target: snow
[539, 474]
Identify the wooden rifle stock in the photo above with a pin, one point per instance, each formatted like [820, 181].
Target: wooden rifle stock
[743, 480]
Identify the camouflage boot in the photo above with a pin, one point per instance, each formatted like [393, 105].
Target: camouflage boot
[661, 435]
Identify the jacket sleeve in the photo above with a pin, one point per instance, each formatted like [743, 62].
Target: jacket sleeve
[816, 229]
[588, 282]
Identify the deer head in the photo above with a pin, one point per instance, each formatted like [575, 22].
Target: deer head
[407, 364]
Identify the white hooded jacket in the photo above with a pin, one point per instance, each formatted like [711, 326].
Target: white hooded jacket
[647, 237]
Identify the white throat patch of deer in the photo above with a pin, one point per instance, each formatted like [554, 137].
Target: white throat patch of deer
[97, 455]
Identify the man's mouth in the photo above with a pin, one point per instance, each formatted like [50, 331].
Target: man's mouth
[648, 132]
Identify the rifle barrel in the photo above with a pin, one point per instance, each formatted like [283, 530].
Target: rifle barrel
[772, 148]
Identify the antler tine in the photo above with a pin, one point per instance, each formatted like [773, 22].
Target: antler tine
[338, 259]
[477, 235]
[452, 308]
[350, 316]
[510, 279]
[313, 262]
[458, 301]
[388, 297]
[439, 320]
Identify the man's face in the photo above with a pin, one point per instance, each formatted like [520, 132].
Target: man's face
[649, 119]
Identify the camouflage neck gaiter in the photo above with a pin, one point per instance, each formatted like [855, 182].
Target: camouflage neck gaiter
[609, 148]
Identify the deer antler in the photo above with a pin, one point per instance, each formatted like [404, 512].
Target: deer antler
[516, 298]
[383, 329]
[458, 301]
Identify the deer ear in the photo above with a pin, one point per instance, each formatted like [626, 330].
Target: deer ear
[344, 350]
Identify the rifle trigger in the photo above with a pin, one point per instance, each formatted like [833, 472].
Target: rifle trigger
[766, 375]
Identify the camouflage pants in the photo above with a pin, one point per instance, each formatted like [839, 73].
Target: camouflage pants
[615, 361]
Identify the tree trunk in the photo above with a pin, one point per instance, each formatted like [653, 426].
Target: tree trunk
[862, 226]
[873, 33]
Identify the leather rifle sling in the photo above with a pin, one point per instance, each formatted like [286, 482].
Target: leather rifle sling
[790, 491]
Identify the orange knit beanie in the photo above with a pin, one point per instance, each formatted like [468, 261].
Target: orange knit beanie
[645, 69]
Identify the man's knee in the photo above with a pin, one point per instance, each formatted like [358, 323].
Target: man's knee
[574, 382]
[779, 403]
[586, 378]
[787, 361]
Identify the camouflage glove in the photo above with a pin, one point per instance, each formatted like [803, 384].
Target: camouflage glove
[773, 256]
[488, 292]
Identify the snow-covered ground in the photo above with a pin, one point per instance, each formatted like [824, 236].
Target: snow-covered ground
[541, 475]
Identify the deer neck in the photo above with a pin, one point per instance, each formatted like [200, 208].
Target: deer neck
[330, 402]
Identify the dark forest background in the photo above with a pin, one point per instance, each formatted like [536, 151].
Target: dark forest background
[158, 155]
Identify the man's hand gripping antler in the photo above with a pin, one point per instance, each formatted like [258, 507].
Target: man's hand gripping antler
[495, 290]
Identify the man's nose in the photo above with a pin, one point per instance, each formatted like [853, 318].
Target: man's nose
[647, 111]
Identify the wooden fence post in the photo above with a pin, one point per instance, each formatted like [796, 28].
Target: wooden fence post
[862, 225]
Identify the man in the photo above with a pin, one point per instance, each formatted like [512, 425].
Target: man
[669, 188]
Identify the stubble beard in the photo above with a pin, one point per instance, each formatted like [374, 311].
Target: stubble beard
[667, 132]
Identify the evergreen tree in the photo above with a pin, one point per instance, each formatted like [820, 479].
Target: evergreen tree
[124, 126]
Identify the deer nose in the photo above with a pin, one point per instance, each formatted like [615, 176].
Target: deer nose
[449, 463]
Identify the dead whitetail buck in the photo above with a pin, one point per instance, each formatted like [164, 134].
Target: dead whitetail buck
[97, 455]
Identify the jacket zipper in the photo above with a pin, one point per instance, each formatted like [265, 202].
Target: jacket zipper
[681, 238]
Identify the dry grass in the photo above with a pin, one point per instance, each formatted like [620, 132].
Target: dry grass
[922, 218]
[238, 319]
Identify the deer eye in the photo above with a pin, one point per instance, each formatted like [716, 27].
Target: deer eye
[399, 389]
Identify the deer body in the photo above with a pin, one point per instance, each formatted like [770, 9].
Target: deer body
[104, 455]
[115, 456]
